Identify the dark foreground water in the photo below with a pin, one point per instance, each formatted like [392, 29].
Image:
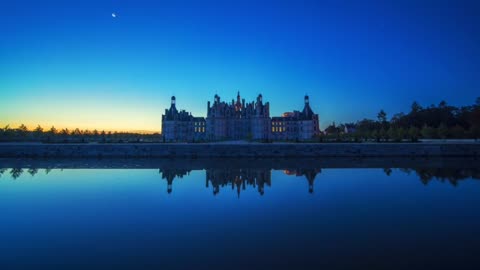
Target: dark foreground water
[239, 217]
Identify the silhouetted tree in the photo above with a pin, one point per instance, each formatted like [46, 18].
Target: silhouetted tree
[442, 131]
[22, 131]
[428, 132]
[16, 172]
[413, 133]
[38, 132]
[474, 132]
[32, 171]
[382, 117]
[2, 170]
[457, 132]
[416, 107]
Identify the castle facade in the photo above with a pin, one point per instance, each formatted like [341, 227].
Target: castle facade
[237, 120]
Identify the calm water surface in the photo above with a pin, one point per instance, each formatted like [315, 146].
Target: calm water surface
[240, 218]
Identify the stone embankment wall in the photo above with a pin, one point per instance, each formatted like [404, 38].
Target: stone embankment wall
[252, 150]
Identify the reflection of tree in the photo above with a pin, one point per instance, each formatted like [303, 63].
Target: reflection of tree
[238, 178]
[16, 172]
[47, 170]
[2, 170]
[310, 174]
[170, 174]
[451, 175]
[32, 171]
[387, 171]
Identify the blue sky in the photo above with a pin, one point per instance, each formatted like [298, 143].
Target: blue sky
[71, 64]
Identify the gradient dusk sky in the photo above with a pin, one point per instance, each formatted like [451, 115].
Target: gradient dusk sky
[72, 64]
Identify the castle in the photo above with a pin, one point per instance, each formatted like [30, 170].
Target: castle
[239, 121]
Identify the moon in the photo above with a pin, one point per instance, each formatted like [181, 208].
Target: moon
[114, 15]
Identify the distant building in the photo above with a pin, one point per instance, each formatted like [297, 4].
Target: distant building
[239, 121]
[181, 126]
[349, 128]
[296, 125]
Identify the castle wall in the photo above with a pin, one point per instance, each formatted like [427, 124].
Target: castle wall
[239, 121]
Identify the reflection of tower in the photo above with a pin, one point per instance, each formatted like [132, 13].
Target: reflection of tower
[310, 174]
[239, 179]
[170, 174]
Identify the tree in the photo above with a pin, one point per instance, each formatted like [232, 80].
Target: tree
[416, 107]
[22, 130]
[375, 134]
[76, 133]
[442, 131]
[427, 132]
[38, 132]
[53, 131]
[103, 135]
[332, 129]
[5, 132]
[442, 104]
[64, 133]
[457, 132]
[383, 134]
[475, 132]
[391, 133]
[382, 117]
[400, 134]
[413, 133]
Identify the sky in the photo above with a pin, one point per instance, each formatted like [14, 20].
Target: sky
[72, 64]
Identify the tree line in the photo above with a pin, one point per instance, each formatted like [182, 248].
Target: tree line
[39, 134]
[425, 175]
[440, 121]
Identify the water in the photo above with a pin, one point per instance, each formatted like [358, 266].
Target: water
[240, 214]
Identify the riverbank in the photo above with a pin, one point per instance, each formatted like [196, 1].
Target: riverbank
[182, 164]
[235, 150]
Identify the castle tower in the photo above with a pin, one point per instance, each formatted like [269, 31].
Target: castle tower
[238, 104]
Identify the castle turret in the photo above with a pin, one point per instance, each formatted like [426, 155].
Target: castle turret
[307, 112]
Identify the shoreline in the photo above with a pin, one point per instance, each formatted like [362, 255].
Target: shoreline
[239, 150]
[243, 163]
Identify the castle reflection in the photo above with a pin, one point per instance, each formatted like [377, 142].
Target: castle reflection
[239, 179]
[170, 175]
[310, 174]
